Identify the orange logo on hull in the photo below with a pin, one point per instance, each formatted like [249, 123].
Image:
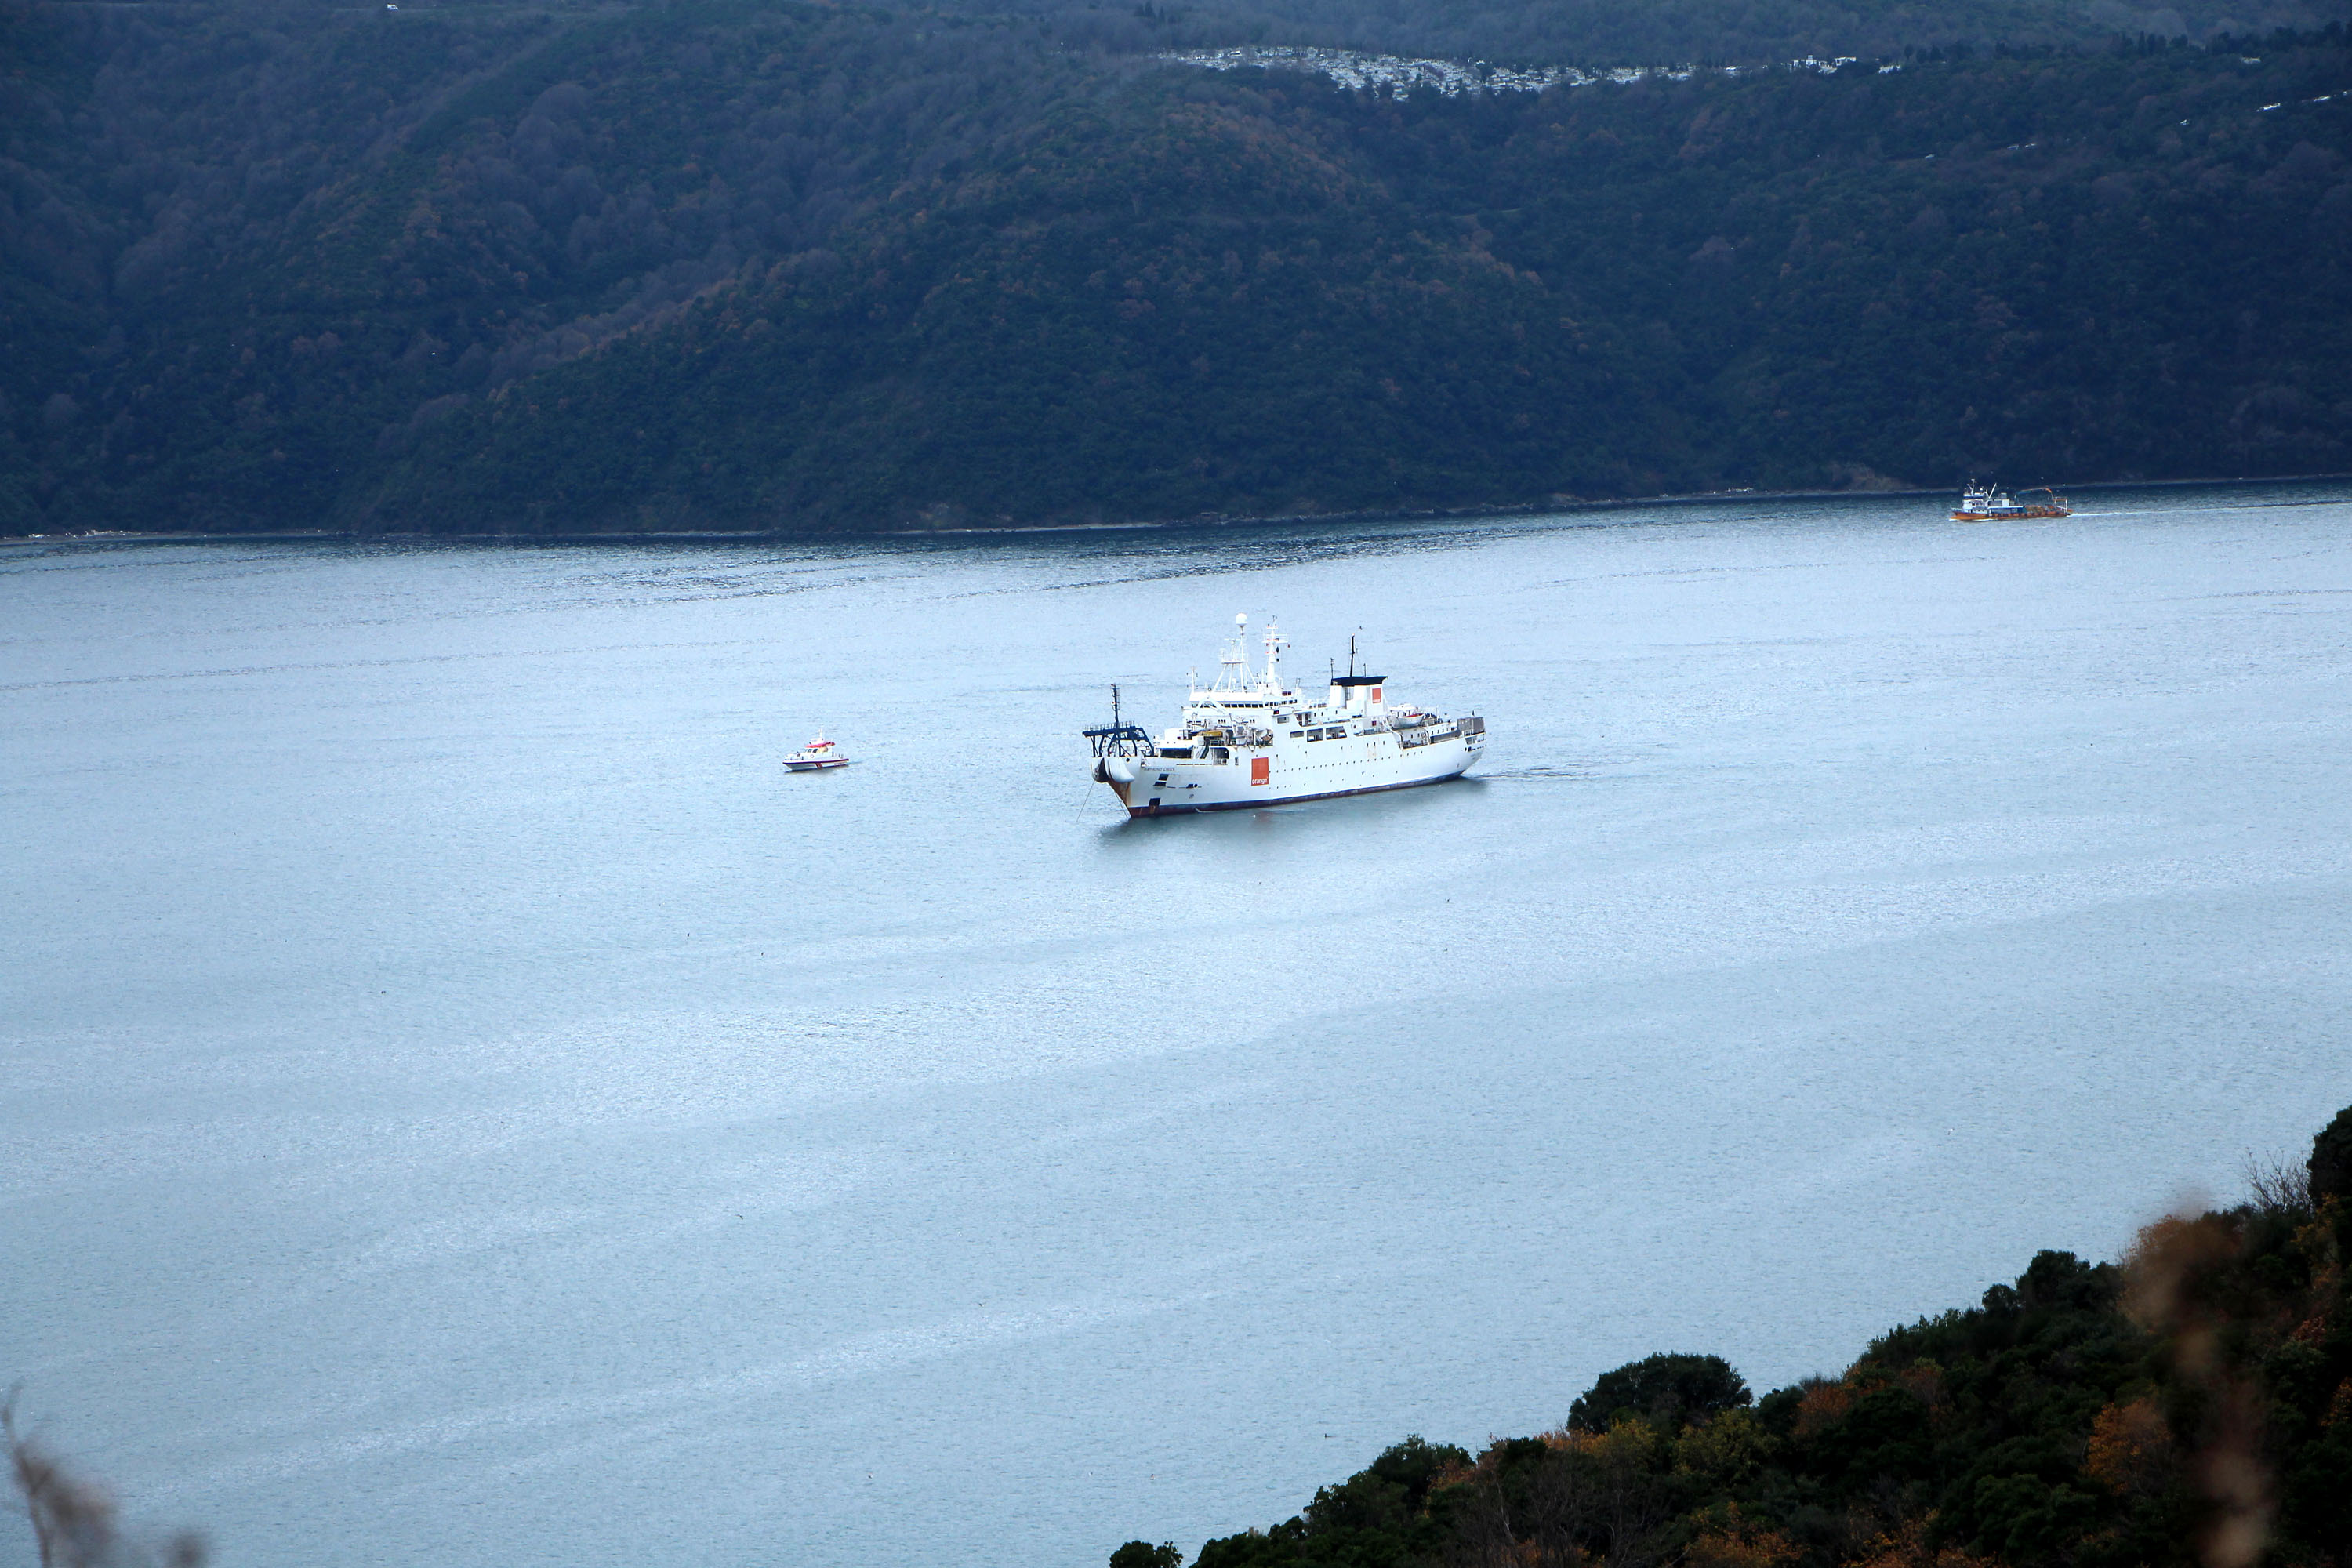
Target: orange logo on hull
[1261, 770]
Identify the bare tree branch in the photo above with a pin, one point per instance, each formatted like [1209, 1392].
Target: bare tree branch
[74, 1519]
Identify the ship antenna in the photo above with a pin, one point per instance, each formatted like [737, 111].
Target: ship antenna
[1351, 658]
[1114, 707]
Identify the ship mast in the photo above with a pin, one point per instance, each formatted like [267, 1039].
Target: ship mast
[1233, 671]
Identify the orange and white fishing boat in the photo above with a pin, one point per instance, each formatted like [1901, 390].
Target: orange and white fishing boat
[1990, 503]
[817, 755]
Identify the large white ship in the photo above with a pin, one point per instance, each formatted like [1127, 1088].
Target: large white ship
[1249, 739]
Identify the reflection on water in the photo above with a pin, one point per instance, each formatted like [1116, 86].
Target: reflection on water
[468, 1102]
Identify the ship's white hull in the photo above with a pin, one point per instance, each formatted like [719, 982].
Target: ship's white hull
[1294, 770]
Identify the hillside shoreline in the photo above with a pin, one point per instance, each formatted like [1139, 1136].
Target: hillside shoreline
[1267, 520]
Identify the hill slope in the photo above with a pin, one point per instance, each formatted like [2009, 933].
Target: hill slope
[2190, 1407]
[1267, 294]
[734, 265]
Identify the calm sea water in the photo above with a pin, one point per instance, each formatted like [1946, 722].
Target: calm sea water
[464, 1103]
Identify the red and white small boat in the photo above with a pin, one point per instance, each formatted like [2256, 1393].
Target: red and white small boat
[818, 754]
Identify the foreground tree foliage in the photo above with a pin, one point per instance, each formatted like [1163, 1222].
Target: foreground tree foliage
[739, 264]
[2192, 1406]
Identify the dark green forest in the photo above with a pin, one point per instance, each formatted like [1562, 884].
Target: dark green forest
[2191, 1406]
[712, 264]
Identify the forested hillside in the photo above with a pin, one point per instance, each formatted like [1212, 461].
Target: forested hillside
[715, 264]
[2191, 1406]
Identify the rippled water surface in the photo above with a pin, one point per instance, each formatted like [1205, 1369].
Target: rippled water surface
[466, 1104]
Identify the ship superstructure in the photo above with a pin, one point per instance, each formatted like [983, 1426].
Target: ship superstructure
[1250, 738]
